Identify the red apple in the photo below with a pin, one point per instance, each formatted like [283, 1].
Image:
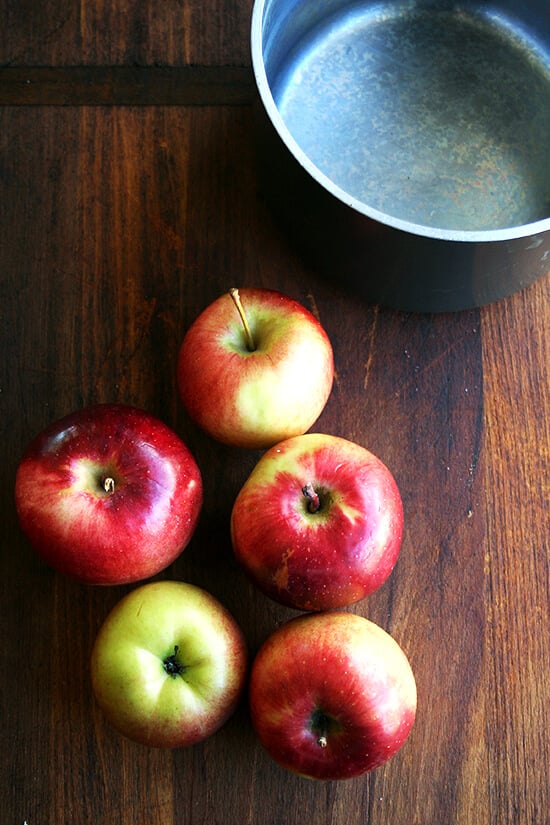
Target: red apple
[168, 665]
[332, 695]
[108, 495]
[254, 368]
[319, 522]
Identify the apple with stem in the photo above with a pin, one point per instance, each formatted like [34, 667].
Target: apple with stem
[108, 495]
[169, 665]
[332, 695]
[318, 524]
[255, 367]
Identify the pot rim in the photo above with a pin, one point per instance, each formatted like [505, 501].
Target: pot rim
[528, 230]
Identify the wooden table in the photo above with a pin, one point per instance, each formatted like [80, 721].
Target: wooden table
[129, 201]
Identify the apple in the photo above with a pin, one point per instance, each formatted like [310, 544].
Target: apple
[332, 695]
[318, 524]
[108, 495]
[255, 367]
[168, 665]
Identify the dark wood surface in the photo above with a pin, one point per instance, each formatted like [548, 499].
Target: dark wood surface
[128, 201]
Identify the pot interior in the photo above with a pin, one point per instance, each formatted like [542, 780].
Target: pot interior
[435, 113]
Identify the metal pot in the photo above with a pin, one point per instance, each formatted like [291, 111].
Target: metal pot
[405, 144]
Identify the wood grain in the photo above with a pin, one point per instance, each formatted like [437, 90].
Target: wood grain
[127, 86]
[119, 223]
[125, 33]
[518, 545]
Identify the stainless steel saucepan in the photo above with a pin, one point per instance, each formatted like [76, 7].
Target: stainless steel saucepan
[405, 144]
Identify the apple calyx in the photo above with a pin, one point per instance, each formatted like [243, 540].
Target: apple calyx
[250, 343]
[313, 498]
[172, 666]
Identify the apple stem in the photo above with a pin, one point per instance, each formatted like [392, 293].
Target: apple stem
[313, 500]
[319, 725]
[109, 485]
[250, 345]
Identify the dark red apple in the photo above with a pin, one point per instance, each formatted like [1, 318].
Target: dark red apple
[332, 696]
[108, 495]
[319, 522]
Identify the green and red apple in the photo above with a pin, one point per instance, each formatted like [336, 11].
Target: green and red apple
[318, 524]
[169, 665]
[254, 368]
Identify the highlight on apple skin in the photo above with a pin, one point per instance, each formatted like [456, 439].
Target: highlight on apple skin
[254, 368]
[318, 524]
[108, 495]
[332, 696]
[169, 665]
